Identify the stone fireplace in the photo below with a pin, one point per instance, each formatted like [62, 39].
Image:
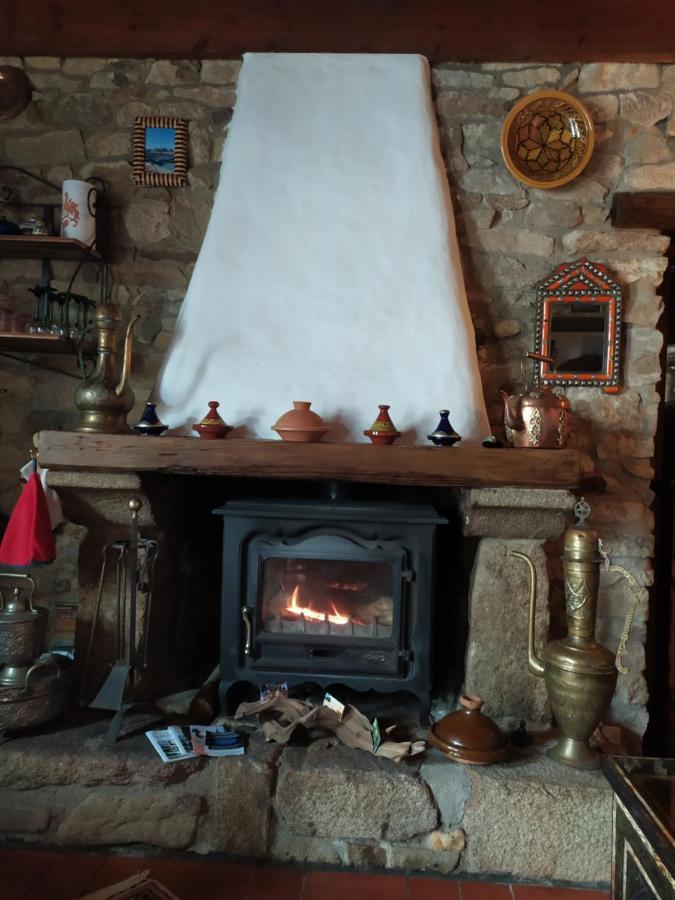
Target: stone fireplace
[509, 238]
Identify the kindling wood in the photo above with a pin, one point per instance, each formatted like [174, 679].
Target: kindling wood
[421, 466]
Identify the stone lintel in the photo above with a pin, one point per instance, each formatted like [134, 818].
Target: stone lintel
[514, 512]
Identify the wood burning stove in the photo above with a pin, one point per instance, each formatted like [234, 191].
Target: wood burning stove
[327, 593]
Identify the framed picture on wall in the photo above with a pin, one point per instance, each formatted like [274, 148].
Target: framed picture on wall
[159, 149]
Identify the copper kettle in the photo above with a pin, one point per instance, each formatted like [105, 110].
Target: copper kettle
[538, 418]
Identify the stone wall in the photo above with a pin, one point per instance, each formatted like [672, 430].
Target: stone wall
[79, 125]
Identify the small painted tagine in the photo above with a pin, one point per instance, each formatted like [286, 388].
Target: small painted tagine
[212, 426]
[383, 430]
[300, 424]
[149, 423]
[444, 435]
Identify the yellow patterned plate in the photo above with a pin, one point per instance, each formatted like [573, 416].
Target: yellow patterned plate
[547, 139]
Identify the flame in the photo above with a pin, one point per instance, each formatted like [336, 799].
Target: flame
[294, 607]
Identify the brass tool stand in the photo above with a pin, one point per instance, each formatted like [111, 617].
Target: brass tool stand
[118, 692]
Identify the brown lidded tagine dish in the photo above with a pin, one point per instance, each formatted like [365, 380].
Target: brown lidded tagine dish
[383, 430]
[212, 426]
[300, 424]
[468, 736]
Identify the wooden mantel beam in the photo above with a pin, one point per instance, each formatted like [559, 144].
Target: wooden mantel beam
[507, 30]
[644, 209]
[421, 466]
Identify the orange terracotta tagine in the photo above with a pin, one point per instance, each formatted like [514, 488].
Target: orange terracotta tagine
[383, 430]
[469, 736]
[212, 427]
[300, 424]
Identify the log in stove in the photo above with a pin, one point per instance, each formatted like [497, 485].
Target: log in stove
[327, 593]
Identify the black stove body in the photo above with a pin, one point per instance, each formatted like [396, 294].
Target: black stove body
[329, 593]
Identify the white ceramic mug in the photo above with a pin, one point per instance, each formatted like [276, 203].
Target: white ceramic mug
[78, 211]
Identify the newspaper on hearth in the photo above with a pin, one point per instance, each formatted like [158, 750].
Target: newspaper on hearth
[281, 715]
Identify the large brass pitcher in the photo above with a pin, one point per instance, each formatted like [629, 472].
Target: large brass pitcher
[580, 674]
[105, 397]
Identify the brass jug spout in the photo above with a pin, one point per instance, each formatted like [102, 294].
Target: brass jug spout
[534, 662]
[126, 361]
[512, 417]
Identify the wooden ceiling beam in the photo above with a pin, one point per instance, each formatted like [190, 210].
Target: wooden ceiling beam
[461, 30]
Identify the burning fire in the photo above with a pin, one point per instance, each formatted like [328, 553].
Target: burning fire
[313, 615]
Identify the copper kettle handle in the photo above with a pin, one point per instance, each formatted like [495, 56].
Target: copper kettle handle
[540, 357]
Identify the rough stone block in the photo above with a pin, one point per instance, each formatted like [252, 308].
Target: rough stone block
[24, 811]
[647, 147]
[415, 858]
[645, 109]
[496, 657]
[337, 792]
[109, 816]
[515, 512]
[573, 842]
[514, 241]
[363, 856]
[148, 222]
[220, 71]
[602, 107]
[543, 76]
[618, 77]
[83, 66]
[242, 801]
[301, 848]
[460, 78]
[659, 176]
[49, 149]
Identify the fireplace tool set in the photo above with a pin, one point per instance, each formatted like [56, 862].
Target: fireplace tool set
[134, 560]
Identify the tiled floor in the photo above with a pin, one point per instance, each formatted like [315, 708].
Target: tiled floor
[27, 875]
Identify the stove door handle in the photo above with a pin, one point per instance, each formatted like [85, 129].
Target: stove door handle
[247, 624]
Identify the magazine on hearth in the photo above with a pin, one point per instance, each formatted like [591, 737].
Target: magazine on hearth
[175, 743]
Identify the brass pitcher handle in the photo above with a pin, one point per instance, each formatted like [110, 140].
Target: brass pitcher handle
[636, 591]
[48, 660]
[247, 623]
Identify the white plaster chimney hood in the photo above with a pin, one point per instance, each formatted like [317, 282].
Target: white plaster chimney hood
[330, 269]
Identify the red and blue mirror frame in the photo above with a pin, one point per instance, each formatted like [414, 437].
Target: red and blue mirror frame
[578, 325]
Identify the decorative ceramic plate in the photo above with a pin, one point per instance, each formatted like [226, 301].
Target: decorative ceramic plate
[547, 139]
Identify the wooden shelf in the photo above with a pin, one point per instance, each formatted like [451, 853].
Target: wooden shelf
[23, 342]
[36, 246]
[423, 466]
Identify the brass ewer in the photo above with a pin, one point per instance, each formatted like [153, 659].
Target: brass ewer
[105, 397]
[580, 674]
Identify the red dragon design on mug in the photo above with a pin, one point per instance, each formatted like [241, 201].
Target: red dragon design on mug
[70, 212]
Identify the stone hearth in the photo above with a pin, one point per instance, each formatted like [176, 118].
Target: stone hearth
[321, 804]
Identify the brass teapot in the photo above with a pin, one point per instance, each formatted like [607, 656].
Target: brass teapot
[538, 418]
[105, 397]
[580, 674]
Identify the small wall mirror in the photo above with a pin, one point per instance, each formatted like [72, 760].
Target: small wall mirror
[579, 326]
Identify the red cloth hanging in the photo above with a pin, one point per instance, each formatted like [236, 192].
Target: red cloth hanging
[28, 538]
